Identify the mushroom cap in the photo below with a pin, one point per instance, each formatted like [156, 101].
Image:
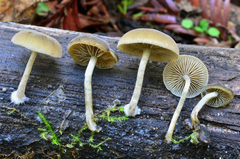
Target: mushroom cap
[225, 95]
[38, 42]
[163, 47]
[185, 65]
[83, 47]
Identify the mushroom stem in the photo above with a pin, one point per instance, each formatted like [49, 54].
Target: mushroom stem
[169, 134]
[88, 94]
[199, 106]
[19, 95]
[132, 109]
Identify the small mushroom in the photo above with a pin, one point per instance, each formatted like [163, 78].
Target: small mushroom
[89, 50]
[185, 78]
[38, 43]
[149, 44]
[214, 95]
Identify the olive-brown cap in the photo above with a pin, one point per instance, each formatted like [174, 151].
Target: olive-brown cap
[163, 47]
[38, 42]
[225, 95]
[185, 65]
[83, 47]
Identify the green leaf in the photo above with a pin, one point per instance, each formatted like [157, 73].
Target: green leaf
[229, 38]
[42, 7]
[213, 32]
[186, 23]
[198, 29]
[204, 24]
[127, 2]
[41, 129]
[121, 109]
[137, 15]
[120, 8]
[43, 135]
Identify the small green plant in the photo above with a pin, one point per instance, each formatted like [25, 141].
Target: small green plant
[76, 139]
[106, 114]
[192, 136]
[42, 7]
[202, 28]
[49, 129]
[125, 4]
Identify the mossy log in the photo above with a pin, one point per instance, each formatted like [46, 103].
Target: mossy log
[55, 89]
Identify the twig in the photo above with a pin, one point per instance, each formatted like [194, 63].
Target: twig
[46, 154]
[65, 119]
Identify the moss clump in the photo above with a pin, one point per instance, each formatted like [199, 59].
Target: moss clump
[192, 136]
[49, 129]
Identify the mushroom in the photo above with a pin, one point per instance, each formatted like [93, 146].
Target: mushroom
[185, 78]
[36, 42]
[89, 50]
[214, 95]
[149, 44]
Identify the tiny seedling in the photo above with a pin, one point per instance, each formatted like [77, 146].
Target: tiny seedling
[202, 28]
[137, 15]
[125, 4]
[42, 7]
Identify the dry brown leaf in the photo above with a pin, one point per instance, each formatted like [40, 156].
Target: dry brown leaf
[21, 11]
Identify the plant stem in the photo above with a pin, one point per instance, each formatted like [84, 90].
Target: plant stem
[169, 134]
[199, 106]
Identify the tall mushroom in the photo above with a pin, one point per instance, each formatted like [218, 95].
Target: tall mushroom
[149, 44]
[89, 50]
[37, 42]
[185, 78]
[214, 95]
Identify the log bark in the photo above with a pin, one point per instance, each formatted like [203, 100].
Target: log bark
[55, 89]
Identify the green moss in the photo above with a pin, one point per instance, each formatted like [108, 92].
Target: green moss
[50, 130]
[192, 136]
[106, 114]
[76, 139]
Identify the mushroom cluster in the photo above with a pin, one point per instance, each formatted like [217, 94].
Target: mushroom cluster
[184, 76]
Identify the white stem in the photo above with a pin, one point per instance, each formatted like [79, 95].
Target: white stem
[88, 94]
[199, 106]
[138, 86]
[169, 134]
[22, 85]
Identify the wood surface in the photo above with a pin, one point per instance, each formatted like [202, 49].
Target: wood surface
[138, 137]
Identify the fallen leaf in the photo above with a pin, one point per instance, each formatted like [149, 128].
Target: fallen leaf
[21, 11]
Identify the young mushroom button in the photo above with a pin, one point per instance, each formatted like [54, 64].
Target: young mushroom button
[36, 42]
[214, 95]
[185, 78]
[149, 44]
[89, 50]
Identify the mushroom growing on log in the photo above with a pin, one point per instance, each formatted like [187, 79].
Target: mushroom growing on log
[91, 51]
[214, 95]
[37, 42]
[185, 78]
[149, 44]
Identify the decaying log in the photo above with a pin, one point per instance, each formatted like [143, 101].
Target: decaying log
[55, 89]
